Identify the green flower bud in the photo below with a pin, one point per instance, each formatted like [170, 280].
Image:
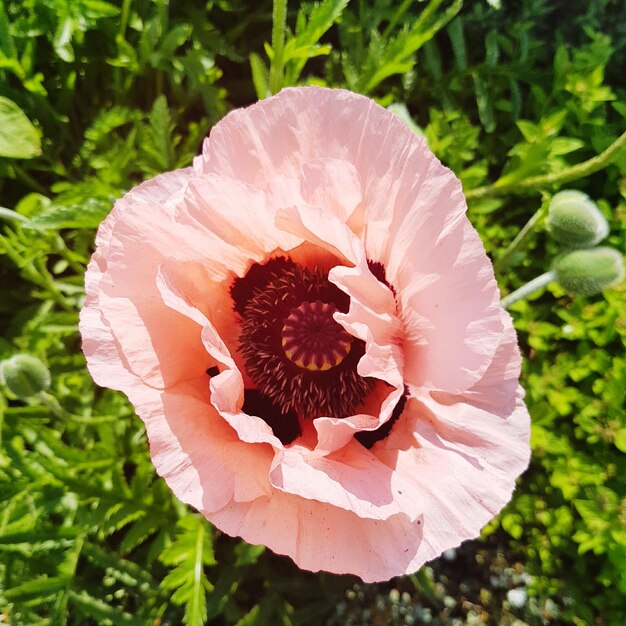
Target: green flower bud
[24, 375]
[587, 272]
[575, 221]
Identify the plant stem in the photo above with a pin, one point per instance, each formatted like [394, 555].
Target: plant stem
[28, 179]
[8, 214]
[397, 16]
[279, 22]
[534, 183]
[525, 290]
[503, 261]
[124, 17]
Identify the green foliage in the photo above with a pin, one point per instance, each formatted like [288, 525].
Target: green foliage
[189, 553]
[96, 96]
[19, 139]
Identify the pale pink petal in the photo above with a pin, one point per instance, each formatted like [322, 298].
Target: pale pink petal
[332, 180]
[318, 536]
[459, 490]
[412, 208]
[450, 307]
[332, 184]
[227, 389]
[191, 445]
[473, 446]
[238, 214]
[353, 479]
[201, 458]
[333, 433]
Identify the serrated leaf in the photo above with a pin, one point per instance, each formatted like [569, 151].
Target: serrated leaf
[389, 56]
[260, 76]
[85, 215]
[312, 23]
[39, 589]
[51, 536]
[190, 552]
[99, 609]
[79, 205]
[157, 147]
[124, 570]
[19, 139]
[251, 618]
[139, 532]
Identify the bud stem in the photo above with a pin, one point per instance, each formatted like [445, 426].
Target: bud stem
[525, 290]
[535, 183]
[504, 260]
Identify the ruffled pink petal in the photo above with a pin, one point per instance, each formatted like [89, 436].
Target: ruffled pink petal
[227, 389]
[238, 214]
[459, 491]
[450, 306]
[353, 479]
[489, 421]
[332, 184]
[318, 536]
[201, 458]
[122, 294]
[462, 454]
[412, 215]
[328, 176]
[334, 433]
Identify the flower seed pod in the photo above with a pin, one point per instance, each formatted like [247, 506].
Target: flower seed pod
[24, 375]
[575, 221]
[587, 272]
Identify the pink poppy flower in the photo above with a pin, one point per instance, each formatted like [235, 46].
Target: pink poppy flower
[311, 331]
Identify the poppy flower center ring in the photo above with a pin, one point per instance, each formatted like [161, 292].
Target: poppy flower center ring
[312, 339]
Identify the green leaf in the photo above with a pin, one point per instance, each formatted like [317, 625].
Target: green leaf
[99, 610]
[124, 570]
[189, 553]
[19, 139]
[7, 45]
[141, 529]
[86, 215]
[457, 39]
[260, 76]
[483, 100]
[389, 56]
[620, 439]
[158, 143]
[312, 23]
[79, 205]
[251, 618]
[38, 589]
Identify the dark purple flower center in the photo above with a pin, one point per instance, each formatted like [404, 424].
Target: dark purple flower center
[302, 362]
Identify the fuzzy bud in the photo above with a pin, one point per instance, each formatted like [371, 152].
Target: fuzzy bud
[575, 221]
[24, 375]
[587, 272]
